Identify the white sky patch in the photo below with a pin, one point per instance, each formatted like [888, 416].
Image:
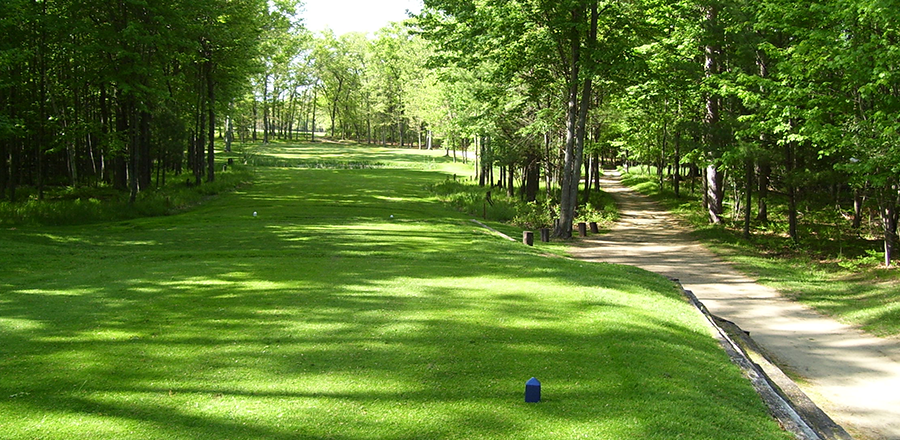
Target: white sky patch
[366, 16]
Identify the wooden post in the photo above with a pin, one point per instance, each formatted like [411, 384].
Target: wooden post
[528, 238]
[582, 229]
[545, 235]
[594, 228]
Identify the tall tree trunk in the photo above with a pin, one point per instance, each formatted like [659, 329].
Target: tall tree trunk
[211, 120]
[510, 181]
[255, 119]
[532, 178]
[715, 193]
[548, 169]
[334, 105]
[4, 167]
[857, 209]
[748, 189]
[312, 137]
[486, 164]
[229, 133]
[889, 220]
[265, 104]
[199, 142]
[14, 160]
[145, 164]
[588, 181]
[133, 147]
[676, 184]
[705, 190]
[764, 174]
[576, 119]
[791, 191]
[764, 167]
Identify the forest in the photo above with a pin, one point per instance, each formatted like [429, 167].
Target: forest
[770, 109]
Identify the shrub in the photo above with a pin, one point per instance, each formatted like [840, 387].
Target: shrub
[85, 205]
[472, 200]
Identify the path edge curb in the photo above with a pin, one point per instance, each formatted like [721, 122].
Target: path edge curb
[792, 408]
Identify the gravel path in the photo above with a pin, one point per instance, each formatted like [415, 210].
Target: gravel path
[852, 376]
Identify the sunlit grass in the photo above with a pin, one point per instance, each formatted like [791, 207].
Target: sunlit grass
[323, 317]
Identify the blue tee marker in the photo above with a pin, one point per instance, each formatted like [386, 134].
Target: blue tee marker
[532, 391]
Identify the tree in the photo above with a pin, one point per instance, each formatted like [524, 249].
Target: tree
[102, 91]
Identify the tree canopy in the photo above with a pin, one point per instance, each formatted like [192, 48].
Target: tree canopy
[774, 107]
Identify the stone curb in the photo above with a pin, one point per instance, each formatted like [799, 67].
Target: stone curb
[493, 230]
[787, 403]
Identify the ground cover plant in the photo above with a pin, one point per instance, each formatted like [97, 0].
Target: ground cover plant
[838, 274]
[345, 303]
[492, 203]
[101, 202]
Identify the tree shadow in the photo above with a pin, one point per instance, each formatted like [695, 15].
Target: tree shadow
[324, 318]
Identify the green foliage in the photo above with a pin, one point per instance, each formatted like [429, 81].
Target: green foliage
[601, 209]
[87, 205]
[871, 259]
[472, 199]
[533, 216]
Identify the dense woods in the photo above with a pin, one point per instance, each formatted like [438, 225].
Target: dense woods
[771, 103]
[119, 92]
[770, 109]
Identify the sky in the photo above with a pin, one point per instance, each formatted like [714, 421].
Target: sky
[366, 16]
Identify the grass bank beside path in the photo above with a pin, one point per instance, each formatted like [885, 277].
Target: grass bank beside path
[323, 317]
[838, 276]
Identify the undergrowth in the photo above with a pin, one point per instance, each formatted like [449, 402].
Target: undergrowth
[92, 204]
[496, 205]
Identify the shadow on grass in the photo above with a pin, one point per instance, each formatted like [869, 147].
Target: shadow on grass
[325, 349]
[324, 318]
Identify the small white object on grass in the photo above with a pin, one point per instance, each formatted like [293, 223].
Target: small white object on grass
[254, 213]
[392, 215]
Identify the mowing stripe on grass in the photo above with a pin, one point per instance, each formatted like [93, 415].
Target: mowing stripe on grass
[322, 317]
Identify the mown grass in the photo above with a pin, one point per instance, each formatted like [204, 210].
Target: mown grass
[323, 317]
[831, 268]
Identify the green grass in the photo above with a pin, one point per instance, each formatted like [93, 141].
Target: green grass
[322, 317]
[830, 269]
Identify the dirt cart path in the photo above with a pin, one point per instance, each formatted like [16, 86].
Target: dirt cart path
[853, 377]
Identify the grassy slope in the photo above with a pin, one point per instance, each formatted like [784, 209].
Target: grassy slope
[820, 272]
[324, 318]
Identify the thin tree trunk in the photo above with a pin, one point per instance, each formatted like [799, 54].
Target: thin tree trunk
[265, 104]
[791, 192]
[676, 184]
[889, 220]
[748, 189]
[762, 203]
[211, 120]
[312, 131]
[715, 193]
[857, 209]
[586, 197]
